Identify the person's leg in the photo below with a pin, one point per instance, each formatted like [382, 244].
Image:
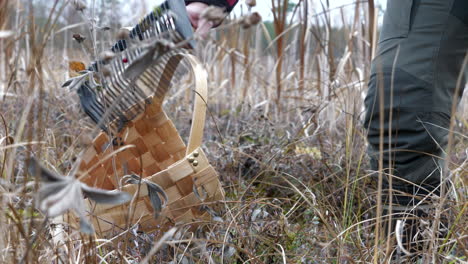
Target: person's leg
[419, 59]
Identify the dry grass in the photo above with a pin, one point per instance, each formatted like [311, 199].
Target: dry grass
[286, 139]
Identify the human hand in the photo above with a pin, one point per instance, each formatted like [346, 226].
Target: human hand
[201, 24]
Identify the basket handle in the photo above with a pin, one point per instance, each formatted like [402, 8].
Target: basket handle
[200, 102]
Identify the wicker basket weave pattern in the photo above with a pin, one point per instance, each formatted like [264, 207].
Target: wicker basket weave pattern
[150, 146]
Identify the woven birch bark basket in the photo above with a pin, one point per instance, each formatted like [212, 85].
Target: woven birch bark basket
[151, 150]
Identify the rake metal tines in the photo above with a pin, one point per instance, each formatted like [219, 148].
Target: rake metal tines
[141, 66]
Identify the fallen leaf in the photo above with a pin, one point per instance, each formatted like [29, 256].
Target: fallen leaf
[59, 194]
[155, 192]
[76, 66]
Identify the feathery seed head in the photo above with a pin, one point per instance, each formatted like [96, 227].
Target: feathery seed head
[106, 56]
[251, 3]
[79, 5]
[213, 14]
[251, 20]
[123, 33]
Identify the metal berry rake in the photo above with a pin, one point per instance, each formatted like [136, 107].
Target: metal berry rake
[139, 150]
[130, 67]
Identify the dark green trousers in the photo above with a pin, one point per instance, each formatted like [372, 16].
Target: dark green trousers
[419, 59]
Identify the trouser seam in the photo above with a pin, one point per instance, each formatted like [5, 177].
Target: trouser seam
[436, 55]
